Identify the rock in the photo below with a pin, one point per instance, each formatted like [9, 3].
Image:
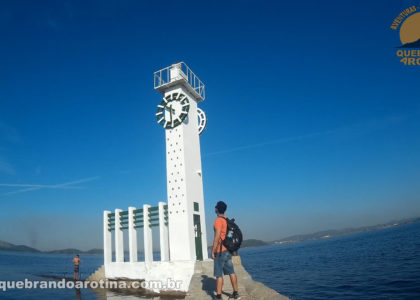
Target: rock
[97, 275]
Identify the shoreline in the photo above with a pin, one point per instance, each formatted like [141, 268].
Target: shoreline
[319, 235]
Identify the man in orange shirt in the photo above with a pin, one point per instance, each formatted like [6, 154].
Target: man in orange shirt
[222, 257]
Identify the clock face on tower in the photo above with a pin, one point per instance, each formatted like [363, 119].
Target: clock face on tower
[172, 110]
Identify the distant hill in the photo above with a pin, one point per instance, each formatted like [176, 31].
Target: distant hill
[65, 251]
[246, 244]
[415, 44]
[94, 251]
[4, 246]
[336, 233]
[324, 234]
[253, 243]
[76, 251]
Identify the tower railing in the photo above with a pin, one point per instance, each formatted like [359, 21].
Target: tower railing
[165, 77]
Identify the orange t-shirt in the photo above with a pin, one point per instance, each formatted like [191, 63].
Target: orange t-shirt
[221, 224]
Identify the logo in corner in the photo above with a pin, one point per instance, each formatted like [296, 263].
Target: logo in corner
[408, 25]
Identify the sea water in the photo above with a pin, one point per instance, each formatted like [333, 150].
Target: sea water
[382, 264]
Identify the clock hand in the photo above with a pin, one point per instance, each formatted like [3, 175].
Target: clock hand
[170, 112]
[169, 108]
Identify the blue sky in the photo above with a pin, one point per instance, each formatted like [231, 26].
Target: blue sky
[313, 121]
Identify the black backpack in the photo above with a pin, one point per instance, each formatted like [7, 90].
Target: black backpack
[233, 239]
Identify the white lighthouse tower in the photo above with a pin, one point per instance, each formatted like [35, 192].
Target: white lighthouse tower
[181, 220]
[183, 121]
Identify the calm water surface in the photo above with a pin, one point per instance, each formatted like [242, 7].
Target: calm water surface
[383, 264]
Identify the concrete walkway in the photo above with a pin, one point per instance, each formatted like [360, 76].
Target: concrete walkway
[203, 284]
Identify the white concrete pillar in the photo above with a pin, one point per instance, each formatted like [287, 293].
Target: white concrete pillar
[147, 230]
[163, 232]
[119, 242]
[132, 235]
[107, 239]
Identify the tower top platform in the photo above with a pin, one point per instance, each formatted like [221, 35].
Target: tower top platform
[179, 73]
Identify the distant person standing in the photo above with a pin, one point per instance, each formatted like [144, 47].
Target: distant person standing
[76, 262]
[221, 256]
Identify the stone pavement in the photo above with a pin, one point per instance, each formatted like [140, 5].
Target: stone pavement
[203, 284]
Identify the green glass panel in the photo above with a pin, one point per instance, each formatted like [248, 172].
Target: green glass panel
[198, 242]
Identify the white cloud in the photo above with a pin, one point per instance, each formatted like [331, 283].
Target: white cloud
[352, 130]
[35, 187]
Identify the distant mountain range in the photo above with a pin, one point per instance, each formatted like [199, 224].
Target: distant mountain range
[253, 243]
[4, 246]
[18, 248]
[415, 44]
[323, 234]
[76, 251]
[342, 232]
[326, 234]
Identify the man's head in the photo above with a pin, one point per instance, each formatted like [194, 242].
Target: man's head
[220, 207]
[77, 255]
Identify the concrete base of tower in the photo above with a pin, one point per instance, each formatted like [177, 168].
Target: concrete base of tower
[195, 281]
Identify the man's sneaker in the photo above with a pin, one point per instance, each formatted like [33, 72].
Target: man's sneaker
[217, 296]
[235, 295]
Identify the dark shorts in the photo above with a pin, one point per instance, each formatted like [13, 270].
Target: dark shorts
[76, 268]
[223, 264]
